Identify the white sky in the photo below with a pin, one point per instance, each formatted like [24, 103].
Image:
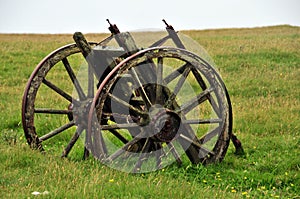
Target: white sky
[68, 16]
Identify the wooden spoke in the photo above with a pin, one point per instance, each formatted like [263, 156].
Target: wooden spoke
[175, 153]
[59, 91]
[159, 80]
[159, 71]
[187, 107]
[207, 137]
[199, 78]
[120, 126]
[175, 73]
[72, 141]
[56, 131]
[196, 144]
[125, 148]
[204, 87]
[141, 87]
[178, 87]
[143, 155]
[159, 154]
[129, 106]
[74, 79]
[119, 136]
[52, 111]
[205, 121]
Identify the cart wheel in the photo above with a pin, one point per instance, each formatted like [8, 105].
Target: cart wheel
[159, 106]
[48, 109]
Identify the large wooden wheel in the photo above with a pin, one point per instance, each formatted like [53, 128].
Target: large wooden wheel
[51, 108]
[159, 106]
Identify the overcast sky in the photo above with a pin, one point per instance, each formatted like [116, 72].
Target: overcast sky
[68, 16]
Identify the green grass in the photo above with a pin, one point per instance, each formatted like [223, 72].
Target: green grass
[261, 69]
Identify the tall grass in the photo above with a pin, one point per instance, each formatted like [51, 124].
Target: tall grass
[261, 69]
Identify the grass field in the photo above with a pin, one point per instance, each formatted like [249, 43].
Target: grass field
[261, 69]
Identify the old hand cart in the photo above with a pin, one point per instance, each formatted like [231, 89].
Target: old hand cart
[136, 109]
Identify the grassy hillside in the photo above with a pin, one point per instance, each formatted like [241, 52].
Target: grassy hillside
[261, 69]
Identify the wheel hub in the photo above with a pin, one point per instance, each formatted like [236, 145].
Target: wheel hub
[164, 123]
[80, 112]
